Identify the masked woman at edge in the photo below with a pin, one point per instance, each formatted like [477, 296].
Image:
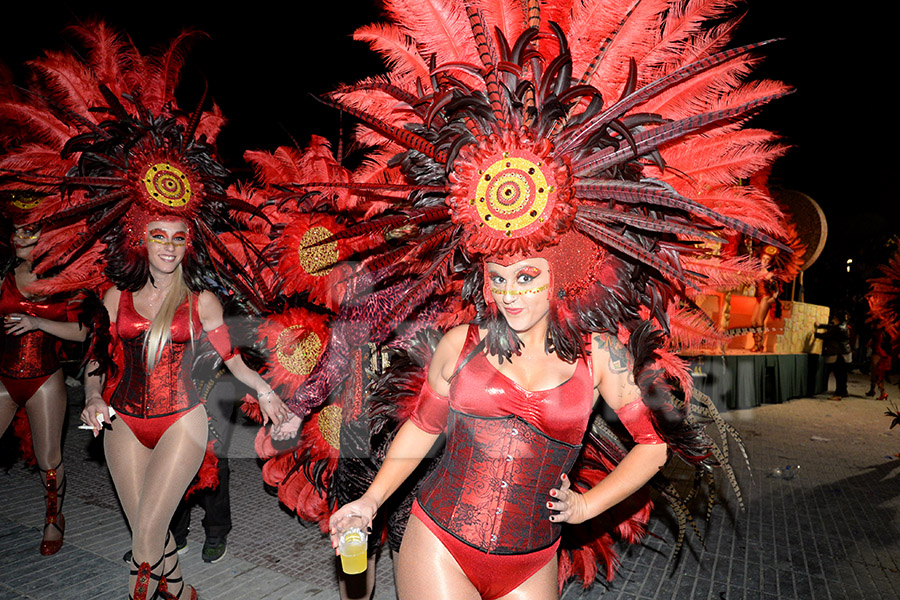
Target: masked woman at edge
[30, 374]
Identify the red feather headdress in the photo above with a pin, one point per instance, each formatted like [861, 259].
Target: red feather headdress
[519, 126]
[615, 129]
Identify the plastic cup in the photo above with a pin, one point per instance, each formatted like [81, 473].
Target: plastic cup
[352, 544]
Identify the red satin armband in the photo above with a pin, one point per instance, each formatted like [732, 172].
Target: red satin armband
[221, 342]
[635, 416]
[432, 411]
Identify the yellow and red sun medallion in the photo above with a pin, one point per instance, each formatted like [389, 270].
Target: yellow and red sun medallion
[167, 184]
[510, 195]
[25, 201]
[329, 422]
[514, 195]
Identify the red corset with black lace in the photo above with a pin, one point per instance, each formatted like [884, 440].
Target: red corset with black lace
[35, 353]
[492, 485]
[168, 389]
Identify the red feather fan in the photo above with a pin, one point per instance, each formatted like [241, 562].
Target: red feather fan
[305, 264]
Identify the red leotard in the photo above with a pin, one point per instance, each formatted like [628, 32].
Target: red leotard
[150, 402]
[28, 360]
[499, 439]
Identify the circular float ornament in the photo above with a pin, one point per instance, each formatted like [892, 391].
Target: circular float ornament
[317, 260]
[297, 357]
[167, 184]
[514, 195]
[329, 423]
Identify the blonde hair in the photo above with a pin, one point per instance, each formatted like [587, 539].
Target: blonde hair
[160, 332]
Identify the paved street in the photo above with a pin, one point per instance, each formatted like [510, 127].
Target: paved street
[832, 532]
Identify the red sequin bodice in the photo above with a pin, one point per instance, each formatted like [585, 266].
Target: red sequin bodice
[35, 353]
[168, 389]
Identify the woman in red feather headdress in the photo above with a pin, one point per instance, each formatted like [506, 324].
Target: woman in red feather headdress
[143, 203]
[559, 164]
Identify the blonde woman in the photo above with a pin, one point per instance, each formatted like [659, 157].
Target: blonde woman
[156, 444]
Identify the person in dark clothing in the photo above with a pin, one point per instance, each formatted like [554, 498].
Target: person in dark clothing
[221, 404]
[837, 351]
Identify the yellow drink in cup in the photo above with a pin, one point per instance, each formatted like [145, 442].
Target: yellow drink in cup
[353, 557]
[352, 545]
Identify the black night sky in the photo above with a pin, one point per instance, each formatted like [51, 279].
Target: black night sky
[263, 62]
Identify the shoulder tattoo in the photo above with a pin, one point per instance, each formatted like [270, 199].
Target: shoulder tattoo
[619, 359]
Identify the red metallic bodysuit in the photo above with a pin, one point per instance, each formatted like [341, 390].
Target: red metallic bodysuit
[150, 402]
[28, 360]
[506, 448]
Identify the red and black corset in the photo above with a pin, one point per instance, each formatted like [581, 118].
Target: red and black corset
[165, 391]
[30, 355]
[168, 389]
[492, 485]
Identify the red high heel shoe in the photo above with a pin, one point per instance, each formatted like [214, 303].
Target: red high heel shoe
[54, 517]
[144, 573]
[166, 579]
[164, 593]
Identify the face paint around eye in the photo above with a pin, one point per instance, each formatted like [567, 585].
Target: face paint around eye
[159, 236]
[520, 292]
[532, 272]
[523, 276]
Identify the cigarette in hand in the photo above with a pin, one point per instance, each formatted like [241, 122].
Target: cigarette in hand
[112, 413]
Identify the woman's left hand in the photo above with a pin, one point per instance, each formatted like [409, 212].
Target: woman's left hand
[287, 429]
[272, 408]
[19, 323]
[570, 505]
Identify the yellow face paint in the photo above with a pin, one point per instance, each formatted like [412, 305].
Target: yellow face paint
[502, 292]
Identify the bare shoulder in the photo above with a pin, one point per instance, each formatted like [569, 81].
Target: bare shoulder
[613, 371]
[610, 354]
[111, 302]
[210, 310]
[206, 300]
[445, 357]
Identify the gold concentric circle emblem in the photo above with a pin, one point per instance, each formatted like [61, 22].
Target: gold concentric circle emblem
[513, 195]
[297, 357]
[167, 184]
[329, 423]
[317, 260]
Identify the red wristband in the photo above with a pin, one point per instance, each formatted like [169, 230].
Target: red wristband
[221, 342]
[635, 416]
[432, 410]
